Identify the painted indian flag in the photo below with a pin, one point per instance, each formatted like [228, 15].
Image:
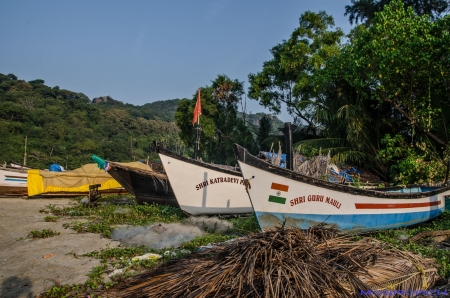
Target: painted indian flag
[280, 188]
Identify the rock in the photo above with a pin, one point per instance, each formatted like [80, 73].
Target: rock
[116, 272]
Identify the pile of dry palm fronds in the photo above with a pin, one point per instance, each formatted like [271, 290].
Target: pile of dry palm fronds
[287, 262]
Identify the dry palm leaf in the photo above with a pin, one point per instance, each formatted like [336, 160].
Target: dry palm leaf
[286, 262]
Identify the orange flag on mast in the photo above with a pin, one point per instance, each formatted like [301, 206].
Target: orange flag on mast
[197, 109]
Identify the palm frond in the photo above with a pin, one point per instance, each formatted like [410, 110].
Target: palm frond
[285, 262]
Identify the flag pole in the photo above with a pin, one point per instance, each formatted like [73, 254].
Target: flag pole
[197, 113]
[196, 141]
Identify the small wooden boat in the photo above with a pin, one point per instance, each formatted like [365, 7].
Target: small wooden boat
[282, 196]
[13, 181]
[148, 185]
[202, 188]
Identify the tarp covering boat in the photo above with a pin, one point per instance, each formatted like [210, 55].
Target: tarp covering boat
[136, 165]
[75, 181]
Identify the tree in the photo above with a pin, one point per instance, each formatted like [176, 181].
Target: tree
[364, 10]
[286, 79]
[400, 60]
[220, 125]
[400, 65]
[265, 134]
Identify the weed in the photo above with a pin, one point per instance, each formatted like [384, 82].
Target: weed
[357, 181]
[95, 276]
[45, 233]
[246, 225]
[205, 240]
[59, 291]
[51, 218]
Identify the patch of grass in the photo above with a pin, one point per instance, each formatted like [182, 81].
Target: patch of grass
[194, 244]
[45, 233]
[51, 218]
[96, 276]
[113, 258]
[118, 253]
[60, 291]
[244, 225]
[104, 217]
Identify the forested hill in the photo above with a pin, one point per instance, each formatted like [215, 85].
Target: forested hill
[159, 110]
[64, 126]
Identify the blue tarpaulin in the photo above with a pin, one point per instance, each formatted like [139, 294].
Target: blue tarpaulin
[55, 168]
[274, 155]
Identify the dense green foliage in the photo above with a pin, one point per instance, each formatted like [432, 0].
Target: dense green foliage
[64, 126]
[364, 10]
[389, 79]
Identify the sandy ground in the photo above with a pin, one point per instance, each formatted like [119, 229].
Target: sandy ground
[24, 272]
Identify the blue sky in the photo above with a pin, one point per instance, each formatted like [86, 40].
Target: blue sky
[143, 51]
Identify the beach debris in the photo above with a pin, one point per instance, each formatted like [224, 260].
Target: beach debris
[437, 236]
[286, 262]
[170, 254]
[47, 256]
[117, 272]
[147, 256]
[205, 247]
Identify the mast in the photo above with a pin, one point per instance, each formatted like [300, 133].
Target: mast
[288, 142]
[25, 153]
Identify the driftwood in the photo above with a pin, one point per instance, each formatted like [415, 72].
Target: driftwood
[286, 263]
[433, 234]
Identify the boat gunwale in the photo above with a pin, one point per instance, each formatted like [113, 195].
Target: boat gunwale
[196, 162]
[141, 171]
[242, 155]
[21, 171]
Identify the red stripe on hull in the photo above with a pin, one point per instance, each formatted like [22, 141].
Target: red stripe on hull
[393, 206]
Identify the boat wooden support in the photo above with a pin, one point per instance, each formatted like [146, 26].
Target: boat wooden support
[94, 193]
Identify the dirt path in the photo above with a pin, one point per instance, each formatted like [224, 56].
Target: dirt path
[24, 272]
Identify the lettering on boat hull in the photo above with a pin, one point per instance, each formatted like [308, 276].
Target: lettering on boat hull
[219, 180]
[316, 198]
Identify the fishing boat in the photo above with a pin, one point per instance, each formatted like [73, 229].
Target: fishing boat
[71, 183]
[148, 185]
[203, 188]
[13, 181]
[280, 196]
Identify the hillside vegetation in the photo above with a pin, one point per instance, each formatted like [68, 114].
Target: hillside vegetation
[66, 127]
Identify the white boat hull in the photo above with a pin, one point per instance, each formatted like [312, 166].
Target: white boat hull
[13, 181]
[201, 190]
[281, 196]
